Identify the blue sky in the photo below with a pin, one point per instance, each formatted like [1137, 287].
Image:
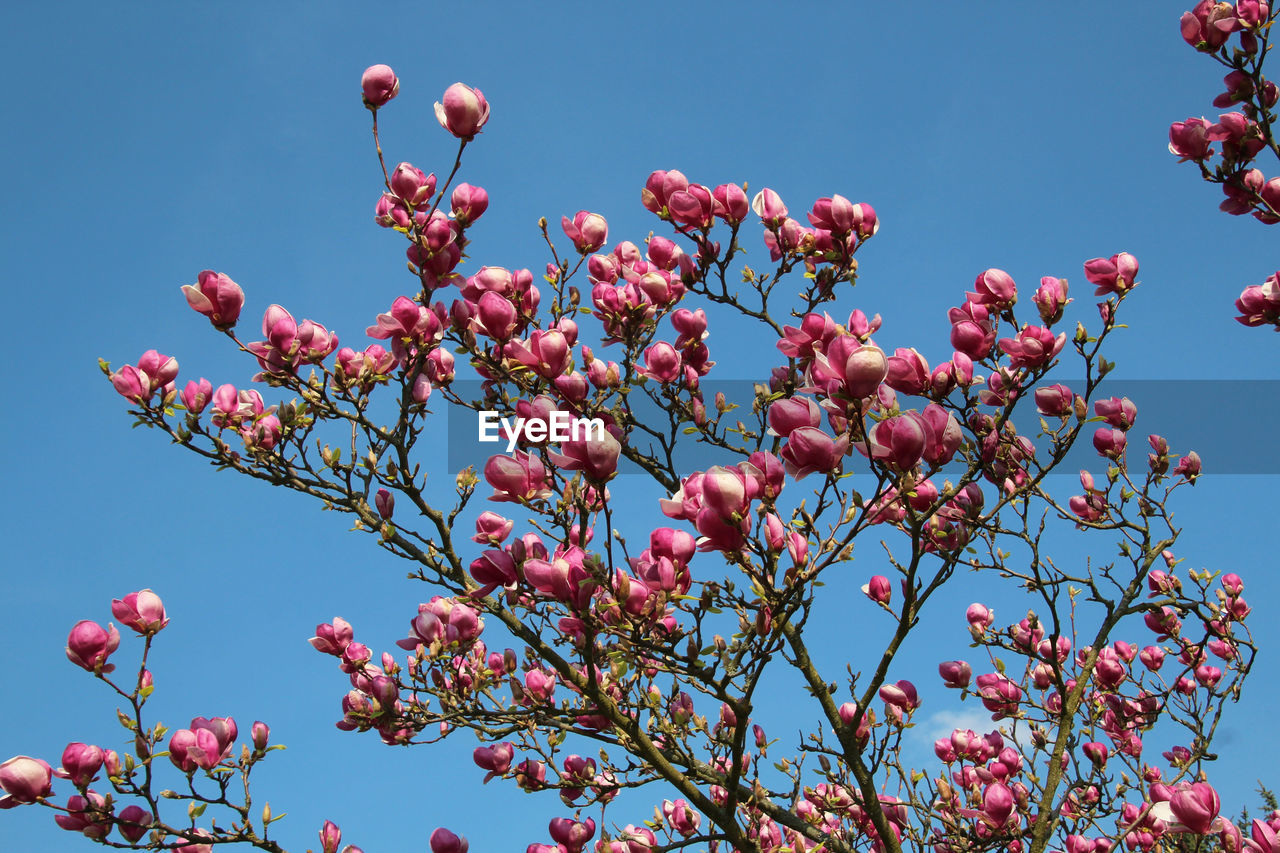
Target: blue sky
[144, 146]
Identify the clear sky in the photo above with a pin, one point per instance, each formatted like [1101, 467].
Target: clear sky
[145, 143]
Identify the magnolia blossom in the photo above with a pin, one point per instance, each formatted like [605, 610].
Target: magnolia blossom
[379, 84]
[462, 111]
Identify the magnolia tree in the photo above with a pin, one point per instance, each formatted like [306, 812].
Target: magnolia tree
[620, 674]
[1237, 38]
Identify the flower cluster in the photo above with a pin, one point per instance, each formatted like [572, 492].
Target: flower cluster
[634, 661]
[1241, 135]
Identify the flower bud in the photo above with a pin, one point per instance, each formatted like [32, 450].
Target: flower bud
[468, 203]
[379, 84]
[955, 673]
[878, 589]
[385, 503]
[330, 837]
[25, 780]
[463, 111]
[89, 645]
[444, 841]
[80, 763]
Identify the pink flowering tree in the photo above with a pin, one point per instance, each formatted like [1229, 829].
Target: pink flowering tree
[600, 667]
[1228, 151]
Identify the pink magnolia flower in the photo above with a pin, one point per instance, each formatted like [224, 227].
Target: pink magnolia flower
[810, 450]
[1188, 466]
[1253, 13]
[587, 231]
[999, 695]
[863, 371]
[1189, 140]
[899, 440]
[788, 415]
[330, 837]
[494, 569]
[596, 457]
[878, 589]
[496, 759]
[153, 373]
[995, 288]
[1112, 275]
[1259, 304]
[1263, 838]
[379, 84]
[955, 673]
[80, 763]
[495, 316]
[1034, 347]
[693, 206]
[133, 822]
[547, 353]
[385, 503]
[1119, 412]
[1208, 26]
[406, 324]
[1243, 191]
[1152, 657]
[681, 817]
[413, 186]
[901, 695]
[1241, 137]
[259, 733]
[662, 362]
[223, 730]
[87, 814]
[572, 835]
[24, 780]
[1193, 807]
[89, 645]
[440, 366]
[517, 478]
[463, 112]
[814, 332]
[730, 203]
[769, 207]
[943, 435]
[997, 805]
[979, 617]
[1239, 88]
[1050, 299]
[444, 841]
[333, 638]
[908, 372]
[972, 330]
[142, 611]
[365, 369]
[468, 203]
[1109, 442]
[193, 749]
[445, 623]
[492, 529]
[1055, 401]
[196, 396]
[659, 187]
[217, 297]
[719, 532]
[727, 491]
